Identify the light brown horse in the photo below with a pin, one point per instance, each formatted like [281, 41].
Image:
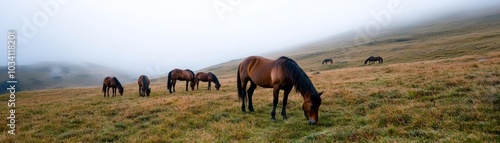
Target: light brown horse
[182, 75]
[144, 89]
[111, 82]
[207, 77]
[283, 73]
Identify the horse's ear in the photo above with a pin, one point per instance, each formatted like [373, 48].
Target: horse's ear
[319, 94]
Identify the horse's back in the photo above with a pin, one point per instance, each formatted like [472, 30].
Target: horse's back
[107, 81]
[141, 79]
[202, 76]
[258, 69]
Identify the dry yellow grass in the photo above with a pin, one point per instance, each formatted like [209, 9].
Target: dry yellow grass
[454, 99]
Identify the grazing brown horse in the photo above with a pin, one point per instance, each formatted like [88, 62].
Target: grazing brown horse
[178, 74]
[282, 73]
[111, 82]
[207, 77]
[144, 89]
[325, 61]
[373, 59]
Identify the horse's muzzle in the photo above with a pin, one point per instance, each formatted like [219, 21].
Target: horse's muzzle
[312, 122]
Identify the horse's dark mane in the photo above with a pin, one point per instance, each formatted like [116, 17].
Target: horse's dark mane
[216, 80]
[192, 74]
[146, 86]
[118, 84]
[299, 78]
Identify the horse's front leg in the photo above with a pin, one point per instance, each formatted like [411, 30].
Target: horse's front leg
[197, 83]
[107, 90]
[276, 92]
[187, 82]
[209, 85]
[285, 100]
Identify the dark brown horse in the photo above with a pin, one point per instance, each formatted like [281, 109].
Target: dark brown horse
[283, 73]
[111, 82]
[207, 77]
[325, 61]
[178, 74]
[144, 89]
[373, 59]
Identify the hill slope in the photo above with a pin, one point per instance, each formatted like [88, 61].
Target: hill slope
[448, 37]
[50, 75]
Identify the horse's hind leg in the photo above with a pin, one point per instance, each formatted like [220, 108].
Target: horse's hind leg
[243, 94]
[187, 83]
[250, 91]
[173, 84]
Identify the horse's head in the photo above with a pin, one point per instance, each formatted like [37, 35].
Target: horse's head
[148, 91]
[217, 86]
[192, 84]
[311, 107]
[121, 90]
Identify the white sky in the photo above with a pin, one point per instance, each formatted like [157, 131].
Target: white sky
[155, 36]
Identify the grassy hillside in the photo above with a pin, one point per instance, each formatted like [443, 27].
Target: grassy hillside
[454, 99]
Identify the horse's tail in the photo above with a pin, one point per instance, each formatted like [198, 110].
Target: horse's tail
[381, 60]
[144, 82]
[238, 84]
[169, 81]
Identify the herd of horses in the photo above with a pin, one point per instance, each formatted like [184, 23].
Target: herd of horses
[174, 75]
[370, 60]
[280, 74]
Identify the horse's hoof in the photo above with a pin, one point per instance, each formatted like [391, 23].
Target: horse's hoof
[273, 119]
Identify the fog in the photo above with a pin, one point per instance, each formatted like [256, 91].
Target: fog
[152, 36]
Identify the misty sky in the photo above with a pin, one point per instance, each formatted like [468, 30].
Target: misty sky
[154, 36]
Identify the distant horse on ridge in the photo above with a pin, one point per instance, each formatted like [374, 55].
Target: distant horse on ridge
[326, 61]
[372, 59]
